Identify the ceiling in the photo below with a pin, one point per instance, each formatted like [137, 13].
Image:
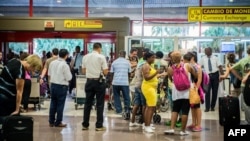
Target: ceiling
[153, 9]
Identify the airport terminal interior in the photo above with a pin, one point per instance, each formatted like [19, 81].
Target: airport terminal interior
[35, 26]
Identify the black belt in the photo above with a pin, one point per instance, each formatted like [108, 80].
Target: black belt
[92, 78]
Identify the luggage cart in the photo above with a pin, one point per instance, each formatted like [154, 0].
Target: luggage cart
[35, 97]
[80, 90]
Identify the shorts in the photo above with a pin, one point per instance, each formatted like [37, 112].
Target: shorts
[181, 105]
[195, 106]
[139, 98]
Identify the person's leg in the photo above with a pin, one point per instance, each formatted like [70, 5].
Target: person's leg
[215, 86]
[174, 116]
[193, 119]
[90, 94]
[126, 98]
[61, 97]
[53, 103]
[26, 93]
[135, 105]
[100, 96]
[185, 110]
[117, 100]
[207, 97]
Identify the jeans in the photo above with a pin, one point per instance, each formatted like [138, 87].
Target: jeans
[139, 98]
[93, 88]
[117, 100]
[58, 97]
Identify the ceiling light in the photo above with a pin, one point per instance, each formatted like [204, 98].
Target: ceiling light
[231, 0]
[58, 1]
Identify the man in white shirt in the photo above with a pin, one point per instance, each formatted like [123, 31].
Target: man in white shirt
[59, 76]
[94, 65]
[213, 67]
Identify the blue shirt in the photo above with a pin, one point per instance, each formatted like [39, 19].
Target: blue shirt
[78, 61]
[121, 69]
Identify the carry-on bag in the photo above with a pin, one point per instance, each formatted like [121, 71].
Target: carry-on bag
[16, 128]
[229, 111]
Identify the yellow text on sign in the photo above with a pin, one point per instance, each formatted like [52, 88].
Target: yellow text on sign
[219, 14]
[82, 23]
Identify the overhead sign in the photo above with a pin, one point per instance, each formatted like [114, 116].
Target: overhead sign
[49, 24]
[219, 14]
[82, 23]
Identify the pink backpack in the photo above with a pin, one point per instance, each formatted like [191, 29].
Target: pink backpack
[180, 78]
[205, 81]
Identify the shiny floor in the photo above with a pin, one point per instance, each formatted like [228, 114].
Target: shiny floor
[117, 127]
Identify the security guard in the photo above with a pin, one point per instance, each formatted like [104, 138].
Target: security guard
[94, 65]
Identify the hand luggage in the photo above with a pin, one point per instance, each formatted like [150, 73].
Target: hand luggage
[16, 128]
[229, 110]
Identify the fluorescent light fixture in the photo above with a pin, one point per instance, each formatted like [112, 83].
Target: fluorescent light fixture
[245, 40]
[58, 1]
[205, 40]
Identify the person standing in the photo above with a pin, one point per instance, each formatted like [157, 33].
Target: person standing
[120, 71]
[243, 65]
[94, 65]
[75, 66]
[149, 88]
[213, 67]
[59, 77]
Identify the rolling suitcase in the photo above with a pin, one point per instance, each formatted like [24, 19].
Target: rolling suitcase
[229, 111]
[16, 128]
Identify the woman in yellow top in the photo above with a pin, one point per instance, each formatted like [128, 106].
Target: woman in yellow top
[149, 88]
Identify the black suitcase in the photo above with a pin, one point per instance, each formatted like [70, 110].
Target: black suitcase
[229, 111]
[16, 128]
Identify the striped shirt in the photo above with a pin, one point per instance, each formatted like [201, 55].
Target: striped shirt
[12, 71]
[121, 69]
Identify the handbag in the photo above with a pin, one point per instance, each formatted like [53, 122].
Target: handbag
[194, 97]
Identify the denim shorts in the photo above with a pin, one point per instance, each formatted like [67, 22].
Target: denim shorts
[139, 99]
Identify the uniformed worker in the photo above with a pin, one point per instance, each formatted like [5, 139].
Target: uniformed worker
[94, 65]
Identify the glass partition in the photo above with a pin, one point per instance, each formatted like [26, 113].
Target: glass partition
[17, 47]
[47, 44]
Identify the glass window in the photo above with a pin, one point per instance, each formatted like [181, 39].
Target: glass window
[17, 47]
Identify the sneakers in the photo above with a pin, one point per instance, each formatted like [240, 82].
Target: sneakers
[184, 133]
[196, 129]
[170, 131]
[100, 129]
[148, 129]
[151, 126]
[131, 124]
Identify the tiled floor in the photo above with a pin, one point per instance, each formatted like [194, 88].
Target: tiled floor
[117, 128]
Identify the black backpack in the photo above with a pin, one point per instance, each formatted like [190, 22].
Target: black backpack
[246, 92]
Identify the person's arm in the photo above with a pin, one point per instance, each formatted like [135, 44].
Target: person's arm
[68, 74]
[226, 73]
[191, 70]
[105, 68]
[19, 92]
[199, 80]
[245, 77]
[234, 69]
[145, 72]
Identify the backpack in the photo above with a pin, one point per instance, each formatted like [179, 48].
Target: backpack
[205, 81]
[180, 78]
[246, 94]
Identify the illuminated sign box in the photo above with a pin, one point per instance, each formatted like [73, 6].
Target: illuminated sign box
[82, 23]
[218, 14]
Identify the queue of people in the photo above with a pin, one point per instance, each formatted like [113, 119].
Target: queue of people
[141, 74]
